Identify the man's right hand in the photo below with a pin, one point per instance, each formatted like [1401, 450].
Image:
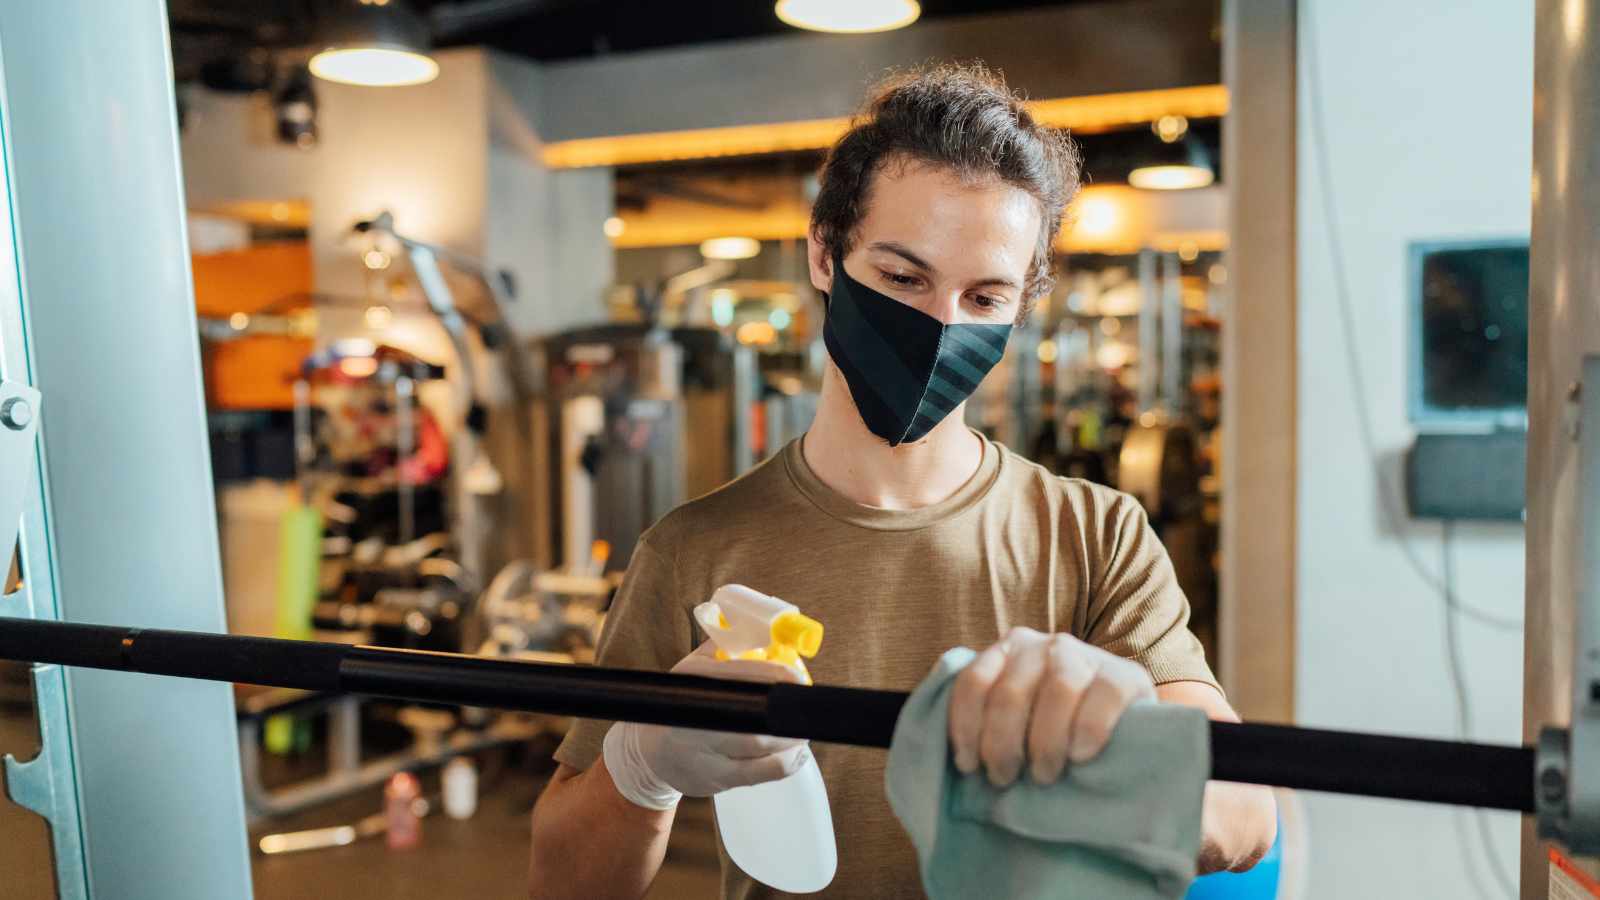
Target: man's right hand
[653, 766]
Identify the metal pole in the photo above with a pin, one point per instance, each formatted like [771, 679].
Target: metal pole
[1171, 334]
[1562, 632]
[405, 423]
[1343, 762]
[1149, 331]
[125, 482]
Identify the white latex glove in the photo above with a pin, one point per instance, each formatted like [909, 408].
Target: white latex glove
[654, 766]
[1043, 699]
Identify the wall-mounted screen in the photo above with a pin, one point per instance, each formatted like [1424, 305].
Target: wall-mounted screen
[1470, 337]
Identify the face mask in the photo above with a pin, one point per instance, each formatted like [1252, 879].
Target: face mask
[906, 370]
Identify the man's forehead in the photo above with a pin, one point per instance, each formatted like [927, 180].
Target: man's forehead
[934, 213]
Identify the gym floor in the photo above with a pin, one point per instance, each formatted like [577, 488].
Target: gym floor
[482, 857]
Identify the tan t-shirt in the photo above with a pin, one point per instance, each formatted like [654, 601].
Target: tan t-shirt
[894, 589]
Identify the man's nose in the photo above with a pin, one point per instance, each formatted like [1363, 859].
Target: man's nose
[945, 306]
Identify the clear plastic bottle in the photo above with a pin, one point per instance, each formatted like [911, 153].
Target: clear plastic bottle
[460, 788]
[781, 832]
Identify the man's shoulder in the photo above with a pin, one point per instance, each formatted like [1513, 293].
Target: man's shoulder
[1083, 498]
[750, 499]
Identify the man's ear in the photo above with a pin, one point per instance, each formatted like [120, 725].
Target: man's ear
[820, 263]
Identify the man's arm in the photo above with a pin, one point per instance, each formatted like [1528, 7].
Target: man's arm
[590, 841]
[1238, 822]
[604, 832]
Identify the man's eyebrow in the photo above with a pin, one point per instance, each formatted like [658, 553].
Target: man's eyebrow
[901, 250]
[996, 282]
[904, 252]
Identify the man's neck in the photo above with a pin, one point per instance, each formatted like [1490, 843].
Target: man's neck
[852, 460]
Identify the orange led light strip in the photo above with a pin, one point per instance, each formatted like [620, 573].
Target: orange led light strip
[1085, 115]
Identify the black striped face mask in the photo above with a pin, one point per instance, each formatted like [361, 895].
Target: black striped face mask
[906, 370]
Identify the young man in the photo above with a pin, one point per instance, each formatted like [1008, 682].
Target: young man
[903, 531]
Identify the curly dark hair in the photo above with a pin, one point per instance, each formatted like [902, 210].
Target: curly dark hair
[958, 116]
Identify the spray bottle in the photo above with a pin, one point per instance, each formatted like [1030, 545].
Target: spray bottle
[780, 832]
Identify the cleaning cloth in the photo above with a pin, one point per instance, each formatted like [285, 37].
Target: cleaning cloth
[1126, 824]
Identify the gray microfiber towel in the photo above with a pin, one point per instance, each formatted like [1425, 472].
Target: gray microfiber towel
[1126, 824]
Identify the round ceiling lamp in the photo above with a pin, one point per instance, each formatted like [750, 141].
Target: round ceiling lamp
[730, 248]
[374, 43]
[849, 16]
[1170, 178]
[1184, 165]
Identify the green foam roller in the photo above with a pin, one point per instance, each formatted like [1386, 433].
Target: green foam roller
[299, 562]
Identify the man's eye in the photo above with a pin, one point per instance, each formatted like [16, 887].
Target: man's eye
[986, 302]
[899, 280]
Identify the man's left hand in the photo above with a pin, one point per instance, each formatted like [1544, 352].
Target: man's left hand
[1043, 699]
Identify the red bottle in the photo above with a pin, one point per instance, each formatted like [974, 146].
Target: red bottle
[399, 811]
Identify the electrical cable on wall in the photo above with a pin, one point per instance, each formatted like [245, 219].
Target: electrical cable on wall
[1444, 585]
[1386, 496]
[1463, 697]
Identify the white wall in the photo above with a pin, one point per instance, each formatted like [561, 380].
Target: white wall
[556, 247]
[455, 160]
[418, 152]
[1427, 111]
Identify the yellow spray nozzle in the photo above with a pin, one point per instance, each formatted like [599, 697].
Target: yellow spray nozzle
[799, 631]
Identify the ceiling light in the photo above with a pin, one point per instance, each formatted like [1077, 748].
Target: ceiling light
[730, 248]
[1170, 128]
[849, 16]
[1170, 178]
[614, 227]
[374, 44]
[1177, 166]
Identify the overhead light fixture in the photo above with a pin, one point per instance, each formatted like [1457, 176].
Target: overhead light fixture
[730, 248]
[849, 16]
[1177, 166]
[1170, 128]
[375, 43]
[1170, 178]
